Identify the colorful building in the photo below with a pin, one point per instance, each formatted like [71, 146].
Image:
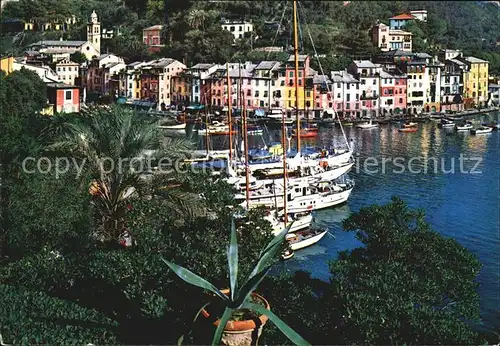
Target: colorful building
[151, 37]
[156, 80]
[417, 86]
[475, 81]
[388, 39]
[64, 98]
[433, 102]
[7, 64]
[305, 84]
[399, 22]
[181, 89]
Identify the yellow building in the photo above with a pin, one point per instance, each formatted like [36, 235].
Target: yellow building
[7, 64]
[305, 84]
[475, 82]
[180, 89]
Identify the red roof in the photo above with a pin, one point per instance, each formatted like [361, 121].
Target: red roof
[403, 16]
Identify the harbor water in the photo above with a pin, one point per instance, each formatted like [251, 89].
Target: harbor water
[454, 176]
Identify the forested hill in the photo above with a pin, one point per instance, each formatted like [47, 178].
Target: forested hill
[337, 27]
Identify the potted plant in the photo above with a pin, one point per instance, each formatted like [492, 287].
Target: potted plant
[244, 312]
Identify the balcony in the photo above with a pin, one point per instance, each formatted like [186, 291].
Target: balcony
[368, 97]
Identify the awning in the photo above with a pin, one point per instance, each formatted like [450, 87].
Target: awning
[196, 107]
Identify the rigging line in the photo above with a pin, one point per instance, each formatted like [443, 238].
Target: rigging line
[278, 29]
[323, 73]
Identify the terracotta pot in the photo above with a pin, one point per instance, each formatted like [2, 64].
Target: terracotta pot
[242, 333]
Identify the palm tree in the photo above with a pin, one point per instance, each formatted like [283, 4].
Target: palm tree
[110, 144]
[196, 18]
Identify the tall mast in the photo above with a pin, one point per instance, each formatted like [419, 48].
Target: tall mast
[207, 136]
[283, 144]
[296, 52]
[245, 142]
[229, 108]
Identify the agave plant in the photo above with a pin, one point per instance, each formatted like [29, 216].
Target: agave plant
[239, 296]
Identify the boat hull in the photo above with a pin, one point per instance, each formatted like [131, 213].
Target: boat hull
[306, 203]
[307, 242]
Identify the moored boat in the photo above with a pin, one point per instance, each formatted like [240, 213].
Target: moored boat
[481, 130]
[305, 238]
[408, 129]
[466, 127]
[367, 125]
[409, 124]
[447, 123]
[287, 254]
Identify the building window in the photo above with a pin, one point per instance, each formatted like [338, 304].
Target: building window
[231, 28]
[289, 93]
[67, 95]
[266, 94]
[290, 74]
[338, 85]
[347, 86]
[374, 82]
[363, 81]
[348, 97]
[338, 95]
[400, 100]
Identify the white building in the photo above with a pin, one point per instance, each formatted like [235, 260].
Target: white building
[44, 72]
[68, 71]
[238, 28]
[264, 83]
[346, 91]
[417, 86]
[368, 75]
[420, 15]
[494, 92]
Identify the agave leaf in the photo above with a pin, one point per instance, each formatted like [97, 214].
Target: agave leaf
[269, 252]
[232, 258]
[278, 322]
[220, 328]
[250, 286]
[194, 279]
[181, 339]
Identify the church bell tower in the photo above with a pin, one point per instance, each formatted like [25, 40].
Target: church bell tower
[94, 32]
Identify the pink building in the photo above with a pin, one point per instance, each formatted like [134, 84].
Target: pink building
[400, 93]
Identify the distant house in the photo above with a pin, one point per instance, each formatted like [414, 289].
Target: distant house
[151, 37]
[388, 39]
[399, 22]
[238, 28]
[68, 71]
[64, 98]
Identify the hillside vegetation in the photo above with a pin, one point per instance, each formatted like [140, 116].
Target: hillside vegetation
[193, 33]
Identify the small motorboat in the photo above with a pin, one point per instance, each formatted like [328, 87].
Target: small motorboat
[367, 125]
[173, 127]
[409, 124]
[492, 124]
[408, 129]
[466, 127]
[287, 254]
[216, 128]
[481, 130]
[305, 238]
[447, 123]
